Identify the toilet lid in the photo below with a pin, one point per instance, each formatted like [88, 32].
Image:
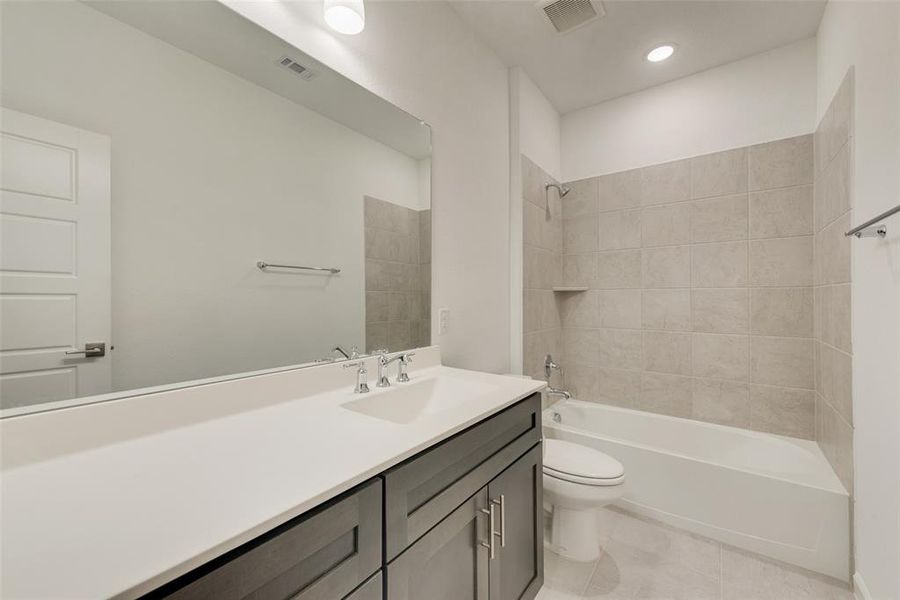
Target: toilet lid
[574, 462]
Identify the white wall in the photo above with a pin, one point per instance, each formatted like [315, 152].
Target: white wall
[761, 98]
[423, 58]
[866, 35]
[535, 132]
[209, 174]
[539, 126]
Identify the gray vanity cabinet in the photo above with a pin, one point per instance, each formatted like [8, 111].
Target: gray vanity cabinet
[517, 570]
[461, 520]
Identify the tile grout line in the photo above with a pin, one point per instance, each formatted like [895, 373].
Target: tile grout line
[721, 571]
[750, 308]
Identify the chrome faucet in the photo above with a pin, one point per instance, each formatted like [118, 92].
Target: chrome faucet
[383, 362]
[549, 367]
[362, 376]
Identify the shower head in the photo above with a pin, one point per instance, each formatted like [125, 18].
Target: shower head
[563, 190]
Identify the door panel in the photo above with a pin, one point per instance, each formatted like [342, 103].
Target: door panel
[37, 245]
[19, 389]
[54, 260]
[518, 570]
[40, 169]
[448, 562]
[31, 322]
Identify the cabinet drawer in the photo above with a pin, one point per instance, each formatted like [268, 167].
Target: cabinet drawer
[424, 489]
[320, 555]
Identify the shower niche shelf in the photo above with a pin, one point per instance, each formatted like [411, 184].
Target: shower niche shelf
[565, 289]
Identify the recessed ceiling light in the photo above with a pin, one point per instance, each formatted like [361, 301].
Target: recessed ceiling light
[661, 53]
[345, 16]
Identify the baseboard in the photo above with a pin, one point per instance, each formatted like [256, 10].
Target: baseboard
[860, 591]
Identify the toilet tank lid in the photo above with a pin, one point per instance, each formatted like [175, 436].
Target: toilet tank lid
[574, 459]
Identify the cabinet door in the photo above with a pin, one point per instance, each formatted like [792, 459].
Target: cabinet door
[517, 572]
[370, 590]
[447, 563]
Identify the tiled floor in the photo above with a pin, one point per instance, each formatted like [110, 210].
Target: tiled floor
[645, 560]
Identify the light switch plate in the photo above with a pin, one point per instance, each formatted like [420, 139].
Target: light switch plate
[443, 320]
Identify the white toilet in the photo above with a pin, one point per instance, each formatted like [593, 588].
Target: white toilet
[577, 481]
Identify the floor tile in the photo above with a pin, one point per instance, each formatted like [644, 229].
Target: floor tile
[671, 582]
[747, 576]
[642, 559]
[641, 534]
[562, 575]
[620, 572]
[671, 545]
[548, 593]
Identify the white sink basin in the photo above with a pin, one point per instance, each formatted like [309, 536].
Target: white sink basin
[409, 402]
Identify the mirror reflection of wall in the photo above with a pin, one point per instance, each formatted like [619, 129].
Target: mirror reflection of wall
[145, 174]
[398, 275]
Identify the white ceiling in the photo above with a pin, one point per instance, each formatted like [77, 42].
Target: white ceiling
[605, 58]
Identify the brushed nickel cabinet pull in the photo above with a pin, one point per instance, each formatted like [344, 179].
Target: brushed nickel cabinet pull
[502, 504]
[490, 543]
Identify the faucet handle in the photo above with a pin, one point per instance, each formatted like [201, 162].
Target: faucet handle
[362, 379]
[405, 359]
[550, 366]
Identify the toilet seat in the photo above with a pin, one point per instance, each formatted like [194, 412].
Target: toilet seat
[579, 464]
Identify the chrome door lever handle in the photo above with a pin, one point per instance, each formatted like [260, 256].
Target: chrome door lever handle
[91, 350]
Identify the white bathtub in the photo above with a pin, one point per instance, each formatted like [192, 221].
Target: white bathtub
[769, 494]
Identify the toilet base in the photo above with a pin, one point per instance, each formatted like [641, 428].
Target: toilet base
[574, 534]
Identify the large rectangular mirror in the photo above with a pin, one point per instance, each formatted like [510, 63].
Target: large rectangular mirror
[186, 196]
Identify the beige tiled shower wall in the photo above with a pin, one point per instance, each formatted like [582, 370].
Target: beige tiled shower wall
[833, 204]
[700, 277]
[398, 276]
[543, 243]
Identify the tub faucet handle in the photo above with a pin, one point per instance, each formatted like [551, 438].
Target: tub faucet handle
[550, 366]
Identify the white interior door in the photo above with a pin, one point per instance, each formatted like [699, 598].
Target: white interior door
[54, 260]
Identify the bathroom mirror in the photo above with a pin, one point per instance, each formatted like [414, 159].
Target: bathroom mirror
[186, 196]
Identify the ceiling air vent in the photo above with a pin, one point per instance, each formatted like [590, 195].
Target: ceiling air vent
[566, 15]
[293, 65]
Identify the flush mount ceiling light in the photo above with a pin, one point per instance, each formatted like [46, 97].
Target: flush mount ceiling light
[661, 53]
[345, 16]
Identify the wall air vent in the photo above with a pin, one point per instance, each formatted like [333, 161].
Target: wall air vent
[297, 68]
[566, 15]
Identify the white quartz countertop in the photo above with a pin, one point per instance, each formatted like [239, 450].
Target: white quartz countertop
[116, 498]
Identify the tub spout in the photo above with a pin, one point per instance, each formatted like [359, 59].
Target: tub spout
[555, 392]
